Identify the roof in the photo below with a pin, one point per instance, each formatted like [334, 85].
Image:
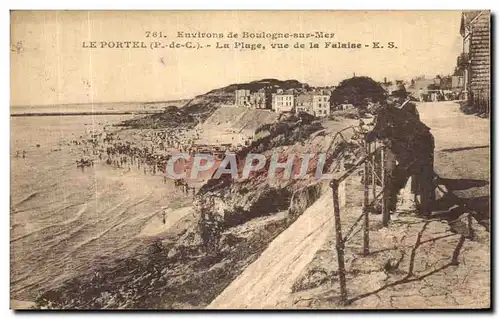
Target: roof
[421, 84]
[468, 17]
[303, 98]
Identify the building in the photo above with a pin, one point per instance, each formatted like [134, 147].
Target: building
[257, 100]
[326, 90]
[475, 58]
[457, 82]
[260, 100]
[344, 107]
[242, 98]
[321, 105]
[283, 102]
[314, 103]
[421, 88]
[304, 103]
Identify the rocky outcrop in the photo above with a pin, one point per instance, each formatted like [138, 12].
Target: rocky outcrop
[303, 198]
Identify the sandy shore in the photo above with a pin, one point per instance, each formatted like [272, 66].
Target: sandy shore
[21, 304]
[155, 226]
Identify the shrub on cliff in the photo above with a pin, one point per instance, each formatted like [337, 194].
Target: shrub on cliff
[358, 91]
[210, 226]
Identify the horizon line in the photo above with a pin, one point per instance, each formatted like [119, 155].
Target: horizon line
[102, 103]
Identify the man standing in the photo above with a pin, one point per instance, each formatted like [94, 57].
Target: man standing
[400, 100]
[412, 144]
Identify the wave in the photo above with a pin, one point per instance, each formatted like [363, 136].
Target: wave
[27, 198]
[69, 221]
[36, 194]
[117, 224]
[49, 215]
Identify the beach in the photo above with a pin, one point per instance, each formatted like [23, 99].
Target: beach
[67, 220]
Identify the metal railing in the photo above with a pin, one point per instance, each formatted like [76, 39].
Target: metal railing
[372, 153]
[377, 163]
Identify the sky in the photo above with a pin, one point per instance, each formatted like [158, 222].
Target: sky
[49, 64]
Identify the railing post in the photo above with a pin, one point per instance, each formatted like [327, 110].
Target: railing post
[385, 210]
[366, 224]
[374, 173]
[339, 242]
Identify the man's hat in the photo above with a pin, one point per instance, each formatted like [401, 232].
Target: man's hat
[400, 92]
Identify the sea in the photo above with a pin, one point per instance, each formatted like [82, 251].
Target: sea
[67, 221]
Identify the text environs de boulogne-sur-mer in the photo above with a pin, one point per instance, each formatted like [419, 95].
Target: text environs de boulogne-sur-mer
[256, 35]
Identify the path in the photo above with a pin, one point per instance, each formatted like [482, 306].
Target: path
[462, 154]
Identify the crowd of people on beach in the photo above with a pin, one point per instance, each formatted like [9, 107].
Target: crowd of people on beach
[179, 139]
[149, 155]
